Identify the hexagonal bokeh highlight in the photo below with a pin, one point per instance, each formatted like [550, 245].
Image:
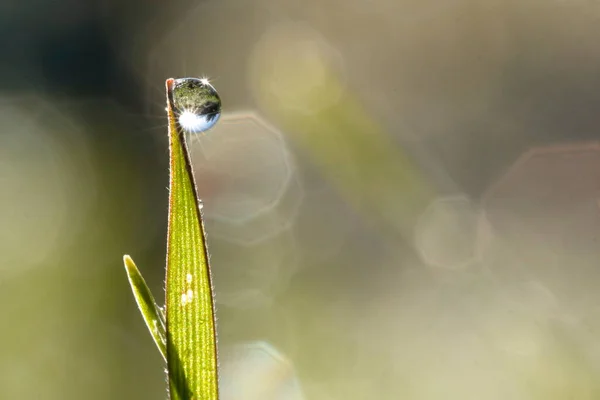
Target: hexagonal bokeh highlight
[554, 191]
[246, 179]
[446, 232]
[257, 371]
[545, 215]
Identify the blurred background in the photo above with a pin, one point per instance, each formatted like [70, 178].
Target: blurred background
[402, 197]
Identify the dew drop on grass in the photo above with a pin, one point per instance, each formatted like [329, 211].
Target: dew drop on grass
[197, 104]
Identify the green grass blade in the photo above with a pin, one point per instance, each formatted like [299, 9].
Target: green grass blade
[151, 312]
[191, 337]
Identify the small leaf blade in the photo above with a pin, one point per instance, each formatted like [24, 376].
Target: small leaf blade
[151, 312]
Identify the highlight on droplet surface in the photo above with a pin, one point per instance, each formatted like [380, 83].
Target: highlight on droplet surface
[197, 104]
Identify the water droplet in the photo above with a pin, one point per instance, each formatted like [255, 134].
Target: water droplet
[197, 104]
[188, 278]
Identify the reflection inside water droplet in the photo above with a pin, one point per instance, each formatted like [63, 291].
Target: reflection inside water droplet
[197, 104]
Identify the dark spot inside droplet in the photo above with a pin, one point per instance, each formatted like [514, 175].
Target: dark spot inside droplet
[210, 108]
